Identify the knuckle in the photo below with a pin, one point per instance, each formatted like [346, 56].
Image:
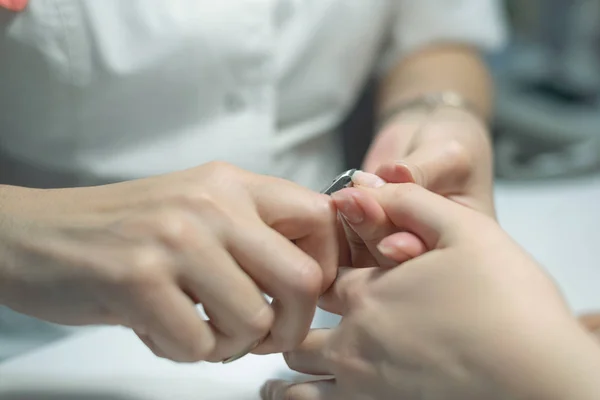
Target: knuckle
[402, 191]
[323, 210]
[307, 279]
[193, 211]
[259, 325]
[221, 170]
[194, 347]
[205, 205]
[459, 156]
[172, 225]
[145, 268]
[356, 294]
[199, 350]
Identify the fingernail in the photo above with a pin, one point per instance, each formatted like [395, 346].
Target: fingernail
[348, 207]
[405, 169]
[266, 389]
[271, 389]
[389, 246]
[367, 179]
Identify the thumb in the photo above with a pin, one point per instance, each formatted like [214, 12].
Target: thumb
[443, 168]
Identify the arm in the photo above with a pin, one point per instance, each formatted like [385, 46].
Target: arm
[438, 68]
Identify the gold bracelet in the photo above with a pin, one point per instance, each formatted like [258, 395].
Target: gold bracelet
[431, 102]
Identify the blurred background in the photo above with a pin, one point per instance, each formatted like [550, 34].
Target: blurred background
[547, 140]
[548, 81]
[547, 121]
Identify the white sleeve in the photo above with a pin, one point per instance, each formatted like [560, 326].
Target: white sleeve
[417, 23]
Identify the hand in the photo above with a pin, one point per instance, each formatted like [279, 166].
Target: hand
[363, 224]
[447, 152]
[143, 253]
[473, 318]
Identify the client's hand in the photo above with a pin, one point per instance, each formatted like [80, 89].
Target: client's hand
[143, 253]
[473, 318]
[363, 223]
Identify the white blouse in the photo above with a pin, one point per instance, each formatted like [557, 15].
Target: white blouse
[104, 90]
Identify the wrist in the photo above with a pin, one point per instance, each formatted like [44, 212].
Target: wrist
[576, 373]
[13, 214]
[427, 105]
[554, 365]
[445, 121]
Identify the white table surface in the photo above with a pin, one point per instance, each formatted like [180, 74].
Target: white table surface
[558, 223]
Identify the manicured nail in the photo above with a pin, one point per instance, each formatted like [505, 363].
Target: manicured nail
[390, 245]
[361, 178]
[348, 207]
[404, 169]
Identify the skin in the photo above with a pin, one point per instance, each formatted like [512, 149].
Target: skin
[447, 151]
[592, 323]
[142, 253]
[473, 317]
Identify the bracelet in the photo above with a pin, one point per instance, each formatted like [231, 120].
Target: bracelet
[431, 102]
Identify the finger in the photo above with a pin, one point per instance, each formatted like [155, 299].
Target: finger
[401, 247]
[147, 340]
[235, 305]
[360, 256]
[348, 289]
[321, 245]
[366, 232]
[173, 324]
[287, 274]
[315, 390]
[345, 255]
[427, 215]
[441, 166]
[402, 172]
[365, 224]
[308, 358]
[394, 172]
[299, 214]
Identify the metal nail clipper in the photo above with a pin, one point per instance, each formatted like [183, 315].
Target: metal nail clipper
[340, 182]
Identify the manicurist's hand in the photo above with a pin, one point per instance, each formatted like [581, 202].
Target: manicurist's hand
[143, 253]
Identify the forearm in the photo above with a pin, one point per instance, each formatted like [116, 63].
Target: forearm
[9, 198]
[435, 69]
